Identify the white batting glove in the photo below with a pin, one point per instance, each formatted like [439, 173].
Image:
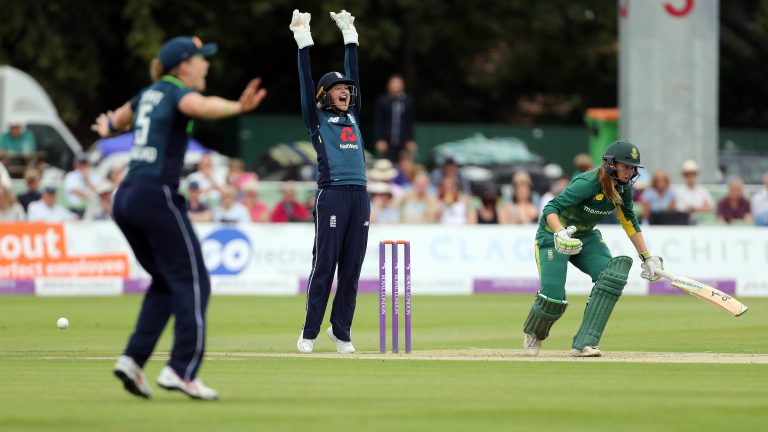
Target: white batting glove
[564, 243]
[346, 23]
[300, 28]
[650, 266]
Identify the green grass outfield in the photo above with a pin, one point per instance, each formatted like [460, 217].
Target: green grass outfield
[61, 380]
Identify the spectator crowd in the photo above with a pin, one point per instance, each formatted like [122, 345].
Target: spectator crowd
[405, 192]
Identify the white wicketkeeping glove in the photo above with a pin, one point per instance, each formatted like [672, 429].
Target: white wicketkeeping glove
[564, 243]
[346, 23]
[300, 28]
[650, 265]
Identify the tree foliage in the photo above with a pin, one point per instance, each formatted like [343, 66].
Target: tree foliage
[490, 60]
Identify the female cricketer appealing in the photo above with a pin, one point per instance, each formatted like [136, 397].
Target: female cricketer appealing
[587, 200]
[153, 215]
[342, 208]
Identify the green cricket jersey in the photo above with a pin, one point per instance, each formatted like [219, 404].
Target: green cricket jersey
[583, 204]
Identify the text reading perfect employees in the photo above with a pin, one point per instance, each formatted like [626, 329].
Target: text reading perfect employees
[78, 267]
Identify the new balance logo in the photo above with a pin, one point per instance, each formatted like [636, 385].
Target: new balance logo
[333, 221]
[367, 223]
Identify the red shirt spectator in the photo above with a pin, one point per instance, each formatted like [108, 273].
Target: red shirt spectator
[734, 206]
[288, 209]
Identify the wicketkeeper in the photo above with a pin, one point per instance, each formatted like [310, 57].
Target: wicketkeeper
[567, 233]
[342, 206]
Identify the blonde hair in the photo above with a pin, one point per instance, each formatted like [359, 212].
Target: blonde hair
[608, 184]
[8, 200]
[156, 69]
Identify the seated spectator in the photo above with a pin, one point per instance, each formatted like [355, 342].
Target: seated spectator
[207, 181]
[46, 209]
[693, 198]
[384, 209]
[521, 210]
[32, 179]
[258, 209]
[238, 176]
[407, 168]
[734, 206]
[659, 197]
[10, 209]
[454, 204]
[79, 185]
[229, 210]
[383, 171]
[418, 205]
[17, 140]
[289, 209]
[101, 209]
[490, 210]
[760, 204]
[450, 169]
[197, 210]
[582, 163]
[522, 178]
[558, 185]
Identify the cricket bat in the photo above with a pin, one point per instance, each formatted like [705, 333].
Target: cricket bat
[706, 293]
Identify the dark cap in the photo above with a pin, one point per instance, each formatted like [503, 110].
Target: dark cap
[329, 80]
[193, 185]
[81, 157]
[183, 48]
[49, 189]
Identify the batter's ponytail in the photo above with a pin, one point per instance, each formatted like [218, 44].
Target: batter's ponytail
[608, 184]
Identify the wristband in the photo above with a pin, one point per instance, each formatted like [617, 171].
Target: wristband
[110, 126]
[645, 255]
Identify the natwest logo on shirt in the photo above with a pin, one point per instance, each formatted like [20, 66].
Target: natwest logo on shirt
[347, 134]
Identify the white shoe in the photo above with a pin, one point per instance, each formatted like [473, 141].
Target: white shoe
[132, 377]
[531, 345]
[170, 380]
[587, 351]
[305, 346]
[341, 346]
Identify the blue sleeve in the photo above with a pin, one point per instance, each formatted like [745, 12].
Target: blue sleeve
[307, 91]
[135, 102]
[352, 72]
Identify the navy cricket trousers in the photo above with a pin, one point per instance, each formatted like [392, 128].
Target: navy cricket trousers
[153, 218]
[342, 215]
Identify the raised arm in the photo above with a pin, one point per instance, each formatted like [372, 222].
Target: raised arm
[198, 106]
[351, 70]
[300, 28]
[346, 23]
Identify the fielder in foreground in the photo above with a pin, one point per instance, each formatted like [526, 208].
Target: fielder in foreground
[153, 215]
[343, 208]
[567, 233]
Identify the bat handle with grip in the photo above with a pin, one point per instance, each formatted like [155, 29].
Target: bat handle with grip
[665, 275]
